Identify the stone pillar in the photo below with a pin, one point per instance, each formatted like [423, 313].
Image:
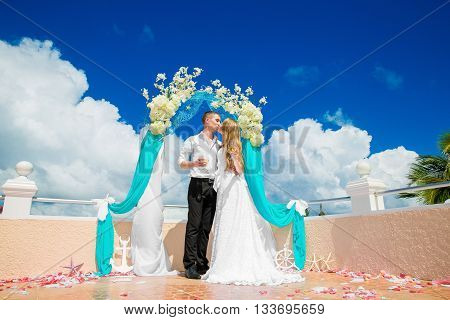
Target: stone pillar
[362, 190]
[19, 193]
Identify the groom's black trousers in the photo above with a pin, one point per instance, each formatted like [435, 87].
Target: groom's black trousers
[202, 207]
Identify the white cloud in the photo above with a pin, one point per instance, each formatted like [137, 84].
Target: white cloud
[392, 167]
[77, 144]
[322, 165]
[147, 35]
[338, 118]
[302, 75]
[82, 149]
[390, 78]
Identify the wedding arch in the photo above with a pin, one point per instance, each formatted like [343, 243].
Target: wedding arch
[175, 104]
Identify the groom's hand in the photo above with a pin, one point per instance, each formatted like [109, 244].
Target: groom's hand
[199, 163]
[192, 164]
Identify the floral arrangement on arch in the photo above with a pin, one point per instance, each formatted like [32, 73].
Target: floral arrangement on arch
[182, 87]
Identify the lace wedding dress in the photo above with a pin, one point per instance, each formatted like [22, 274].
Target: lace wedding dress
[243, 248]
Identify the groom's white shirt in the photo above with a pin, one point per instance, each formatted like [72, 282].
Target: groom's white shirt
[201, 146]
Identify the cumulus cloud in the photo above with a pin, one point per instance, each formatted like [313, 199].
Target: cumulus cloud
[392, 166]
[337, 118]
[82, 149]
[388, 77]
[79, 146]
[302, 75]
[310, 163]
[147, 35]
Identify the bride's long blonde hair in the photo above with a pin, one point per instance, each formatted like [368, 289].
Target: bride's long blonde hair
[231, 142]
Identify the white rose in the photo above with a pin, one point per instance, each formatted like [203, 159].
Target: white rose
[257, 127]
[197, 71]
[243, 122]
[228, 106]
[160, 100]
[256, 140]
[215, 104]
[160, 76]
[257, 115]
[216, 83]
[170, 105]
[248, 108]
[185, 95]
[145, 94]
[209, 89]
[156, 113]
[176, 100]
[263, 101]
[246, 134]
[157, 127]
[235, 109]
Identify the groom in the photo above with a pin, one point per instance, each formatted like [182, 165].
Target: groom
[199, 154]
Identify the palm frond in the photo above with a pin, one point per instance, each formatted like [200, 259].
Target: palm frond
[407, 195]
[430, 169]
[444, 143]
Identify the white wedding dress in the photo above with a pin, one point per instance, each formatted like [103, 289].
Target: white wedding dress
[244, 247]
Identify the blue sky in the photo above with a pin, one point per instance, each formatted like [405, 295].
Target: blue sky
[284, 49]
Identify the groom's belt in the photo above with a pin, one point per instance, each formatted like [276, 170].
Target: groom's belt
[209, 180]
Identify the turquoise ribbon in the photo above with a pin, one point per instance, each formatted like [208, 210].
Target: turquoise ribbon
[277, 214]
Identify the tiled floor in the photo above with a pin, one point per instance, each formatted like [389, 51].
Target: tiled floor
[336, 286]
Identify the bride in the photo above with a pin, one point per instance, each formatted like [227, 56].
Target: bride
[243, 248]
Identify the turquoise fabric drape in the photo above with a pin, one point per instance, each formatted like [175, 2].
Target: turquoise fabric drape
[150, 146]
[277, 214]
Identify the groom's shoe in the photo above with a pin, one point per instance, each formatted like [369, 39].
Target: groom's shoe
[191, 273]
[202, 269]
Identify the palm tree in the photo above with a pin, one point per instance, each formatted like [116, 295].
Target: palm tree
[431, 169]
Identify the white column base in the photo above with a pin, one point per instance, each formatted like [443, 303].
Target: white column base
[19, 193]
[362, 195]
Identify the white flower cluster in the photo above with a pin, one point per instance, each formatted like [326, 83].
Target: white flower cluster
[238, 103]
[249, 120]
[164, 106]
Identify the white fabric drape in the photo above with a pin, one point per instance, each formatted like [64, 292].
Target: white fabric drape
[149, 255]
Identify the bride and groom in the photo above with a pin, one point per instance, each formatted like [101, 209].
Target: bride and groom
[243, 247]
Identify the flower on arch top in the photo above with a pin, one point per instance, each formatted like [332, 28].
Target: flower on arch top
[182, 87]
[238, 103]
[164, 106]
